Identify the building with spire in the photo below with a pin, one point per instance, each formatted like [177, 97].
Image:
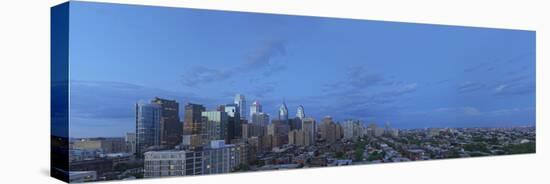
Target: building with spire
[300, 112]
[283, 112]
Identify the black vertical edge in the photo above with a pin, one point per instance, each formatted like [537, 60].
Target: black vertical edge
[59, 96]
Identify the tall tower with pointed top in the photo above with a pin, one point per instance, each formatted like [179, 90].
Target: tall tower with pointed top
[300, 112]
[283, 112]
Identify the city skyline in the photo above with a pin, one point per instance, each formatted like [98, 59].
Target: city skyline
[151, 92]
[411, 75]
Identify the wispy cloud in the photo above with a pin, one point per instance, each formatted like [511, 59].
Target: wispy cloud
[514, 81]
[471, 111]
[200, 75]
[470, 86]
[114, 100]
[363, 94]
[515, 85]
[260, 91]
[358, 78]
[468, 111]
[262, 56]
[260, 59]
[515, 89]
[496, 63]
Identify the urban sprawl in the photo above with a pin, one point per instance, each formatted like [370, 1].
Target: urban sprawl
[233, 138]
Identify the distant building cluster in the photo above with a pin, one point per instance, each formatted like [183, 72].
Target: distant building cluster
[236, 137]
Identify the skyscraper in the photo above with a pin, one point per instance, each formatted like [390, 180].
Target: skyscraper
[215, 125]
[278, 130]
[241, 102]
[253, 130]
[295, 123]
[256, 107]
[193, 118]
[308, 126]
[300, 112]
[170, 127]
[234, 121]
[130, 140]
[283, 112]
[352, 129]
[329, 130]
[147, 126]
[371, 128]
[260, 118]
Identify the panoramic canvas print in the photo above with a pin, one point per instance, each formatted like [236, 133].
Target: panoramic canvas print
[149, 92]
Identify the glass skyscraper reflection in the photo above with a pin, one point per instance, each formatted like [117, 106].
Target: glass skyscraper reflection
[148, 117]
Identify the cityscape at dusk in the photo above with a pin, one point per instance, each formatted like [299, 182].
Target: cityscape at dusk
[157, 92]
[234, 138]
[411, 75]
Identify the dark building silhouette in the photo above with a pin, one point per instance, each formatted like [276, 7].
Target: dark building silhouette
[234, 128]
[278, 130]
[193, 119]
[171, 129]
[295, 124]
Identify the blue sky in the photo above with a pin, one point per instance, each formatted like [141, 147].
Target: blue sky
[410, 75]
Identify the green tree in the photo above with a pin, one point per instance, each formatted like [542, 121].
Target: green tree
[521, 148]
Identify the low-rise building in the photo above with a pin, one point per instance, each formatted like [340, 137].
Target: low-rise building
[82, 176]
[217, 157]
[172, 163]
[221, 157]
[105, 145]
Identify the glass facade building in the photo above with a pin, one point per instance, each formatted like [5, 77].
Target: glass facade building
[283, 112]
[215, 125]
[147, 126]
[240, 100]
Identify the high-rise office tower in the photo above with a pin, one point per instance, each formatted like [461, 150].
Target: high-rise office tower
[241, 102]
[300, 112]
[260, 118]
[308, 126]
[170, 127]
[295, 123]
[328, 130]
[147, 126]
[193, 118]
[234, 121]
[215, 125]
[256, 107]
[338, 134]
[278, 130]
[371, 128]
[253, 130]
[283, 112]
[130, 140]
[352, 129]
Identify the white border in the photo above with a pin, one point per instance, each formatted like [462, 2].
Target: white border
[24, 70]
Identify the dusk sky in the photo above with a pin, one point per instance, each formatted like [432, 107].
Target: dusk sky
[410, 75]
